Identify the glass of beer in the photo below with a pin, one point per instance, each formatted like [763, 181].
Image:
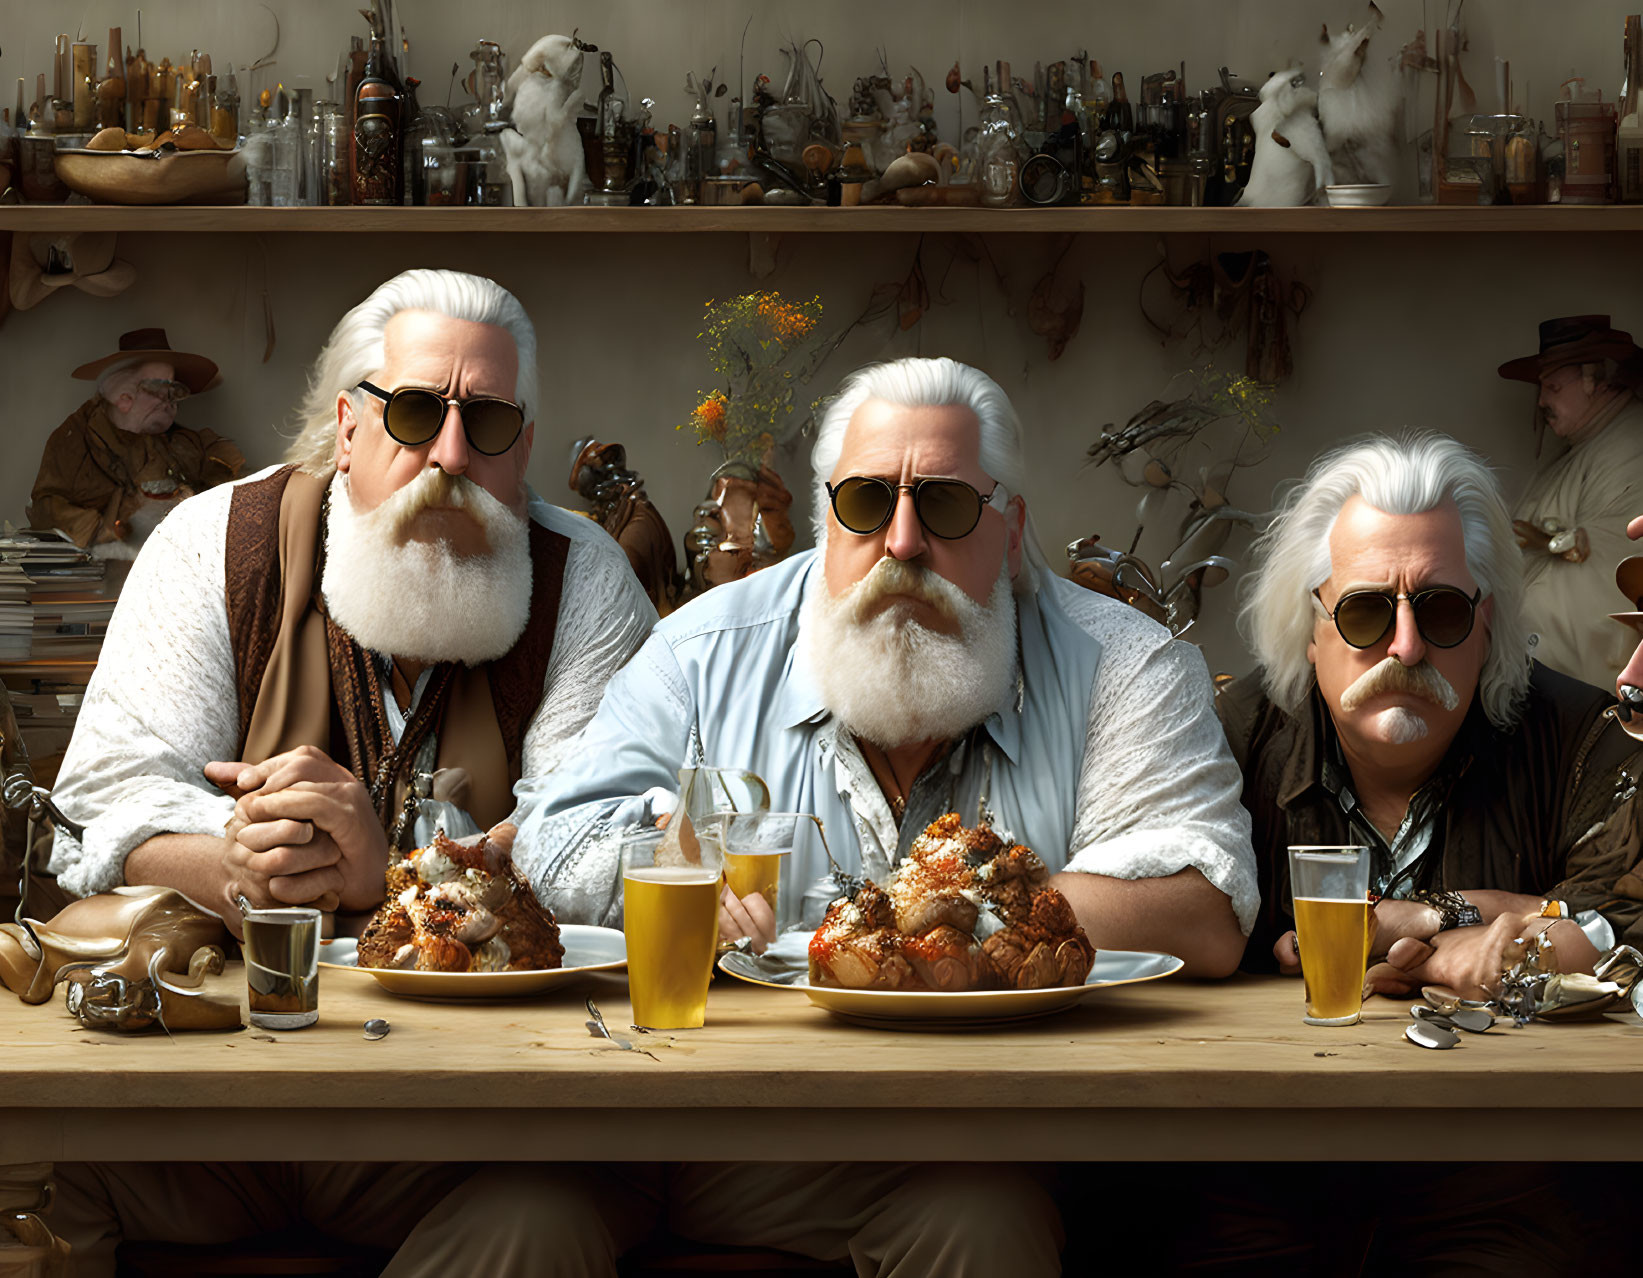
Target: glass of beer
[670, 913]
[759, 852]
[1335, 928]
[281, 949]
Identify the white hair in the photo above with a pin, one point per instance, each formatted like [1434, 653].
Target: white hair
[1399, 476]
[927, 383]
[121, 379]
[354, 350]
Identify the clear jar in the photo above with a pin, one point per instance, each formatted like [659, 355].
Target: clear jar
[1000, 151]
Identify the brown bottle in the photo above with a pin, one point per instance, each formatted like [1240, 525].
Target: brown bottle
[111, 89]
[378, 125]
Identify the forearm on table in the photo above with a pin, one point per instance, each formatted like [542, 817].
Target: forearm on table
[1182, 914]
[191, 863]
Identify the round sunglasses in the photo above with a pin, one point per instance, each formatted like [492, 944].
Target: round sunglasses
[414, 415]
[948, 508]
[1443, 614]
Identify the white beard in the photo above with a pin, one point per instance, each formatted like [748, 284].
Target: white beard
[420, 600]
[892, 680]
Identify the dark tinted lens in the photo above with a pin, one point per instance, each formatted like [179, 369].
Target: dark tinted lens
[862, 505]
[413, 416]
[1363, 617]
[949, 508]
[492, 424]
[1444, 616]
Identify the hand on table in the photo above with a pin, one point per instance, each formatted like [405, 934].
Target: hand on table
[749, 916]
[303, 833]
[1394, 921]
[1464, 959]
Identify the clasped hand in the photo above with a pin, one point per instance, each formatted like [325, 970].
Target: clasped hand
[304, 832]
[749, 916]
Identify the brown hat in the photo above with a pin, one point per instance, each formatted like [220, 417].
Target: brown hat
[194, 371]
[1574, 339]
[1629, 577]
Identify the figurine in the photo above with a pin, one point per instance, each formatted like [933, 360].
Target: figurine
[118, 463]
[599, 472]
[139, 955]
[546, 164]
[743, 526]
[1291, 161]
[1571, 522]
[1358, 105]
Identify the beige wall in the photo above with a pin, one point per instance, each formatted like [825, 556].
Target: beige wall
[1403, 330]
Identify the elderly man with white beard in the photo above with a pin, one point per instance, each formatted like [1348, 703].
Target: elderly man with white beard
[1396, 706]
[921, 660]
[318, 665]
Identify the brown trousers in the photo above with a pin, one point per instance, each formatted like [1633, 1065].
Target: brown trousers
[500, 1219]
[890, 1220]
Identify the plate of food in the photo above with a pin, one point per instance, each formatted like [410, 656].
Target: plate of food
[459, 921]
[967, 931]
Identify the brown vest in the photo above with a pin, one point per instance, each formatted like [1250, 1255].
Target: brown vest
[286, 664]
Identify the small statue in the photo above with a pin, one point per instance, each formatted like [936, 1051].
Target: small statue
[600, 474]
[743, 526]
[138, 956]
[546, 164]
[1358, 105]
[1291, 162]
[119, 463]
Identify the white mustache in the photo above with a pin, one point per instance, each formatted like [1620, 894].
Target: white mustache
[430, 489]
[1391, 675]
[894, 577]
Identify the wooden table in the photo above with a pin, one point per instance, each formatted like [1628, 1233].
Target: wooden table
[1169, 1070]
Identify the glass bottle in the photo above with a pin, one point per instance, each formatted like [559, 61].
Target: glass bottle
[410, 151]
[259, 152]
[284, 175]
[999, 153]
[111, 89]
[1120, 115]
[378, 121]
[225, 111]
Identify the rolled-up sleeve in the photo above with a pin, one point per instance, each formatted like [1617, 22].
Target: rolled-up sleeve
[636, 741]
[161, 704]
[1159, 789]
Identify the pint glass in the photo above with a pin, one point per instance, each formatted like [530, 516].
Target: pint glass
[670, 909]
[1334, 925]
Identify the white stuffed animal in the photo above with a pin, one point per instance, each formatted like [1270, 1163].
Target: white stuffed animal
[1358, 105]
[545, 161]
[1291, 161]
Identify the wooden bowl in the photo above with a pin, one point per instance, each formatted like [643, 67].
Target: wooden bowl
[167, 177]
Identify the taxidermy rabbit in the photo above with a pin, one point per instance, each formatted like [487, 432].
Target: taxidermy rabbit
[545, 162]
[1358, 105]
[1291, 162]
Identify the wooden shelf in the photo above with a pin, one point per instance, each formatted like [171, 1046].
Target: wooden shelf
[1402, 219]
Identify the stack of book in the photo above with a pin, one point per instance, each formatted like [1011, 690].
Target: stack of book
[63, 612]
[16, 612]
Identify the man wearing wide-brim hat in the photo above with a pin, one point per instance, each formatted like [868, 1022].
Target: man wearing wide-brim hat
[119, 462]
[1571, 522]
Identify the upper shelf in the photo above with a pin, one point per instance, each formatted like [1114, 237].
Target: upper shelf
[1421, 218]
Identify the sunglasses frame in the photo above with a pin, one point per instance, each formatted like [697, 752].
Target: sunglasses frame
[387, 397]
[916, 488]
[1392, 617]
[175, 391]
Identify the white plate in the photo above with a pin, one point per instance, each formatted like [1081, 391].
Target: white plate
[587, 949]
[1358, 195]
[932, 1010]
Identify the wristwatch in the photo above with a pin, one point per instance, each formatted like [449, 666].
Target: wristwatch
[1454, 910]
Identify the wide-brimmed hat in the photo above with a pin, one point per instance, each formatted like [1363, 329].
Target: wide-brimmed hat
[1574, 339]
[1629, 577]
[40, 265]
[194, 371]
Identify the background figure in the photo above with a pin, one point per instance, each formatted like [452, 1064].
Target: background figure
[599, 473]
[119, 463]
[1571, 522]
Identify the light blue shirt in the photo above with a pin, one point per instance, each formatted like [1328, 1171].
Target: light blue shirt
[1108, 757]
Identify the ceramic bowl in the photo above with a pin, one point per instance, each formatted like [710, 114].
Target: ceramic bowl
[174, 177]
[1362, 195]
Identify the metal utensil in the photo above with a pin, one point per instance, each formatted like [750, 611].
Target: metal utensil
[376, 1028]
[1474, 1020]
[1436, 1037]
[599, 1029]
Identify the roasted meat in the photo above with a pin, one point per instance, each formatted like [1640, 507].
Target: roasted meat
[453, 907]
[920, 933]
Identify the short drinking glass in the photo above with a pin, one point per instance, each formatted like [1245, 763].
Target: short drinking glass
[1334, 926]
[281, 950]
